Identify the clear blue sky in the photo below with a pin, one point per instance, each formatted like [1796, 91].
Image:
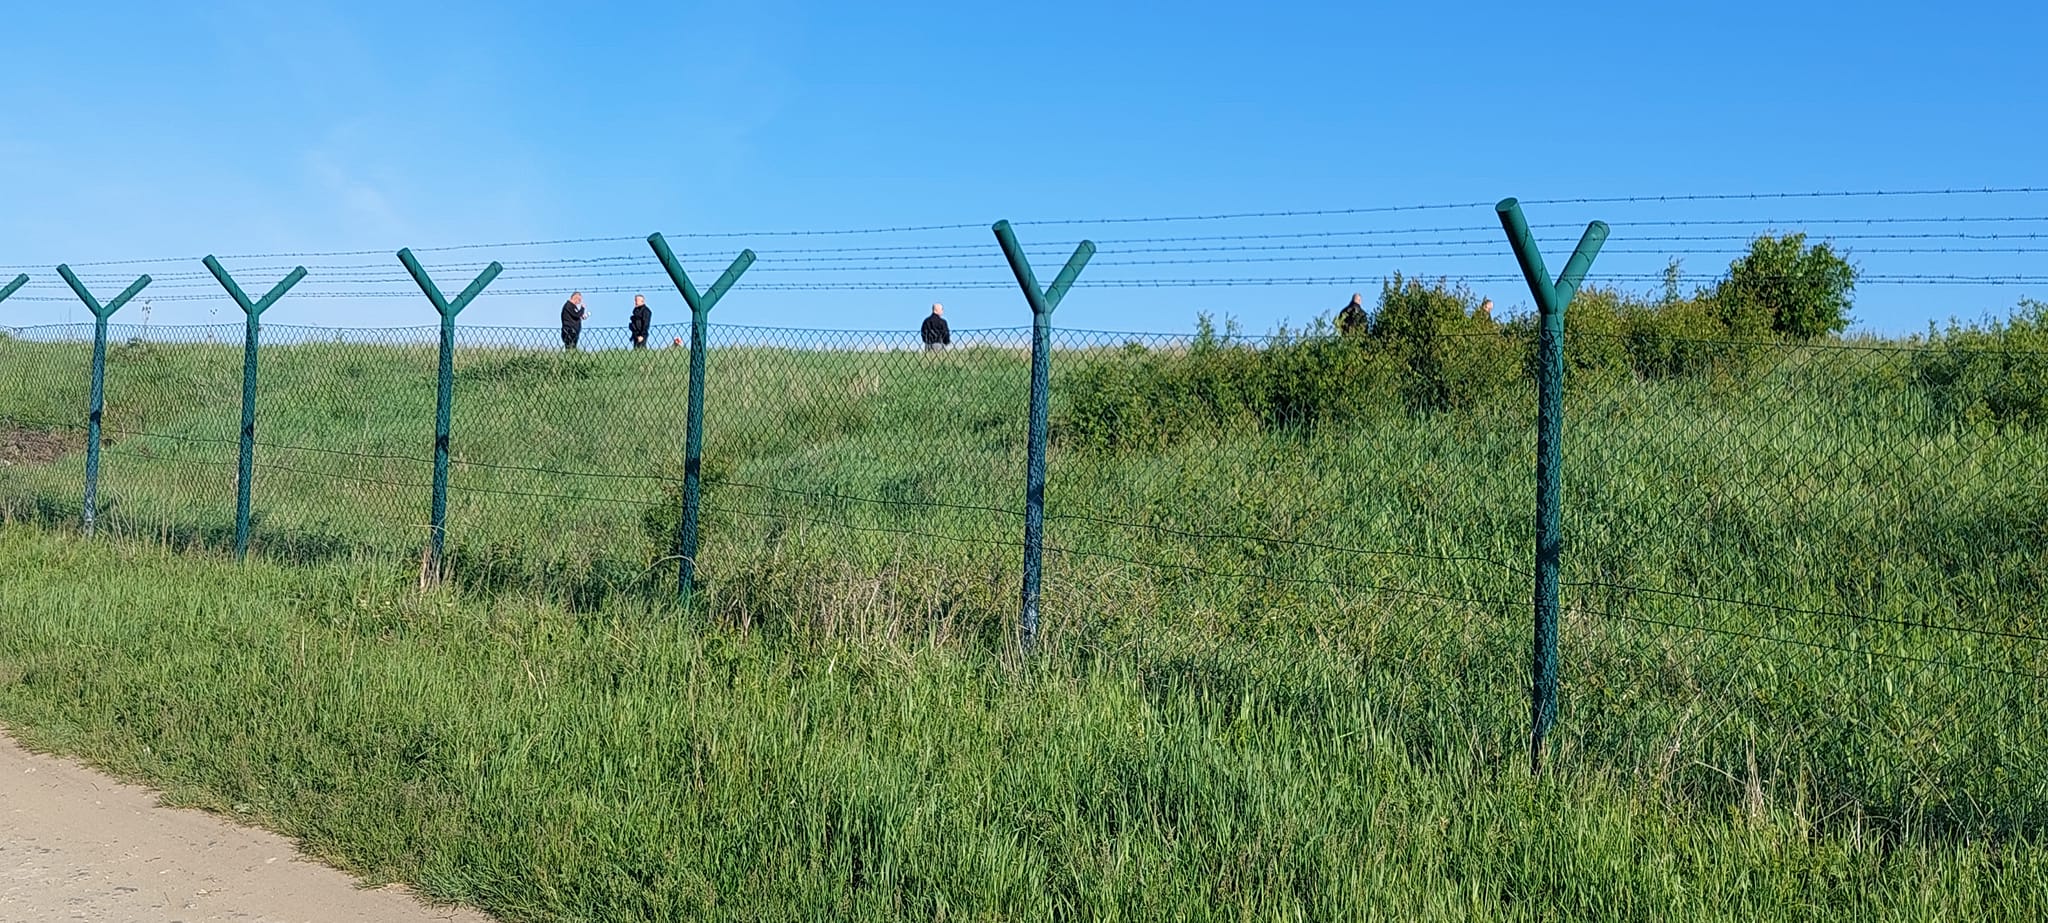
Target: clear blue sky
[145, 130]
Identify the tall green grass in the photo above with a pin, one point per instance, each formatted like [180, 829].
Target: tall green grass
[623, 765]
[1802, 592]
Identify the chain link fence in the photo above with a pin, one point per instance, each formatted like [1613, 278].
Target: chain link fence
[1812, 574]
[1804, 578]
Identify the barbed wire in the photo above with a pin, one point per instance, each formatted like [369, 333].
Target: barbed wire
[839, 260]
[1048, 250]
[1494, 246]
[1992, 279]
[1281, 214]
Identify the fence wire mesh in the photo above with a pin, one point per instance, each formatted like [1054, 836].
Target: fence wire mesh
[1805, 578]
[862, 483]
[1269, 487]
[1808, 578]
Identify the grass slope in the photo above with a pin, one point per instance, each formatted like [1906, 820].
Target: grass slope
[1798, 638]
[605, 766]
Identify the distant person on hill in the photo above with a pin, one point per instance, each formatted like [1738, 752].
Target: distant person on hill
[643, 318]
[572, 320]
[1351, 322]
[935, 333]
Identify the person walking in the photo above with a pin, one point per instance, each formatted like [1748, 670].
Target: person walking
[935, 333]
[643, 318]
[1352, 321]
[572, 320]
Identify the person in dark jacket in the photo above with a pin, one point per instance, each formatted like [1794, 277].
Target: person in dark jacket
[935, 333]
[1352, 321]
[643, 318]
[572, 320]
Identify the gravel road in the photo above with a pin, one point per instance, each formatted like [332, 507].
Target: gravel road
[77, 845]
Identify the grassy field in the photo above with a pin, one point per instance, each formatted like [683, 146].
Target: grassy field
[1285, 671]
[608, 766]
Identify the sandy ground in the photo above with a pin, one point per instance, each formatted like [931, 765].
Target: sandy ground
[77, 845]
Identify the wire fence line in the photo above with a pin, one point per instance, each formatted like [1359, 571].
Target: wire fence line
[1973, 243]
[1954, 193]
[1782, 558]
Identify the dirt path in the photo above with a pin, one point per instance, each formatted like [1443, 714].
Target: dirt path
[77, 845]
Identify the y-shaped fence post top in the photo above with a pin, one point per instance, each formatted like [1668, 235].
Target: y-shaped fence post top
[1048, 300]
[14, 286]
[448, 309]
[699, 302]
[252, 308]
[1552, 297]
[100, 311]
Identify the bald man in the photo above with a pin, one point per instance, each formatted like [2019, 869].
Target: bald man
[572, 320]
[642, 319]
[935, 333]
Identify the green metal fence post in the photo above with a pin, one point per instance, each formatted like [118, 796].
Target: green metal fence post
[1551, 301]
[693, 434]
[252, 313]
[14, 286]
[444, 394]
[96, 403]
[1042, 306]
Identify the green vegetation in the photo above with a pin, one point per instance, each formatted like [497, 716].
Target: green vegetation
[612, 766]
[1286, 622]
[1787, 288]
[1992, 374]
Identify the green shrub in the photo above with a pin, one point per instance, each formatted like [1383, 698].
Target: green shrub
[1314, 378]
[1784, 286]
[1994, 374]
[1139, 399]
[1450, 355]
[1596, 343]
[1135, 398]
[1690, 338]
[1613, 336]
[1427, 349]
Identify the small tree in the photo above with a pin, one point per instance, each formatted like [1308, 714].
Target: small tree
[1792, 289]
[1674, 274]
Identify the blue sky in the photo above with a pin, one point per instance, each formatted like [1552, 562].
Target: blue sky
[173, 130]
